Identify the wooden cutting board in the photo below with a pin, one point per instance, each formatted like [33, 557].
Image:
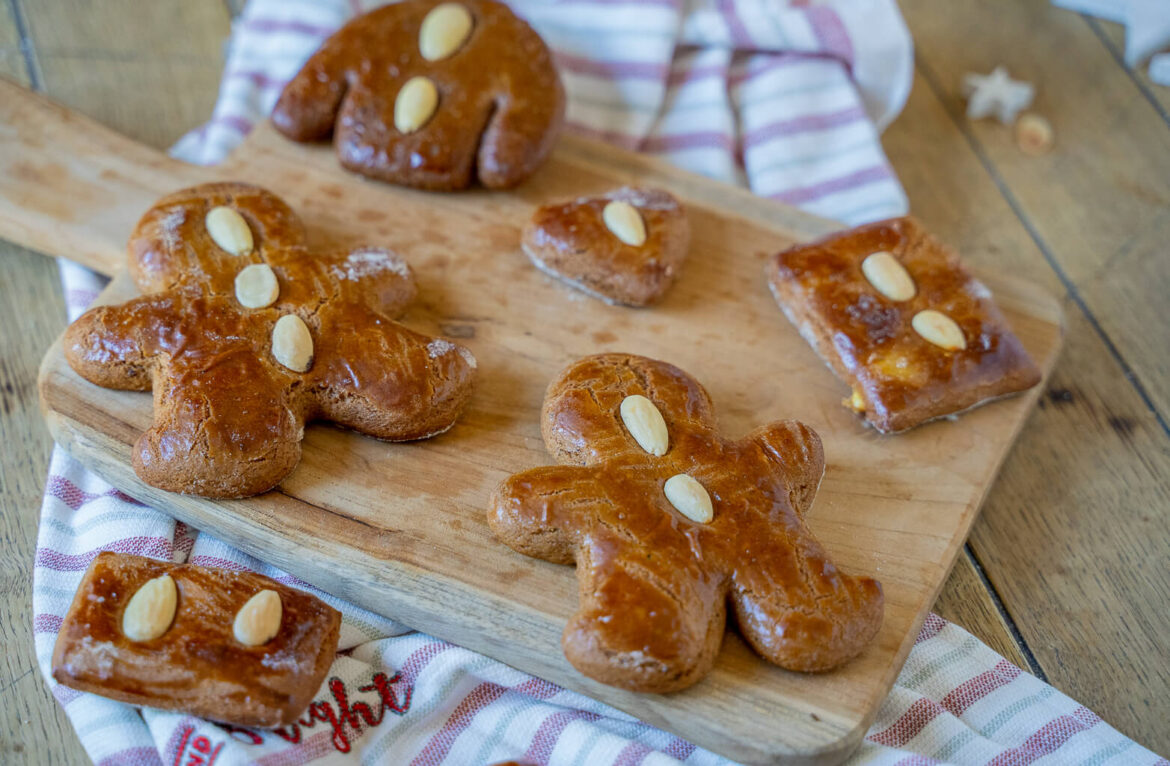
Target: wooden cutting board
[400, 529]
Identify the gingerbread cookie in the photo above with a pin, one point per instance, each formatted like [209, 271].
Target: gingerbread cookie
[234, 647]
[898, 317]
[431, 95]
[667, 521]
[625, 246]
[244, 335]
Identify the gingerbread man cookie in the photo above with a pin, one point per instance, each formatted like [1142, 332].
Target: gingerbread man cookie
[244, 336]
[626, 246]
[667, 521]
[430, 95]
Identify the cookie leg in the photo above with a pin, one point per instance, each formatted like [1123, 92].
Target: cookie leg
[228, 432]
[642, 626]
[802, 613]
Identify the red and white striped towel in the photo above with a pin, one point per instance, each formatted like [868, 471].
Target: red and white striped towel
[785, 97]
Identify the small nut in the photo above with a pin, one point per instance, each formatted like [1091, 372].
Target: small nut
[888, 276]
[256, 286]
[415, 104]
[229, 230]
[151, 609]
[292, 345]
[259, 619]
[443, 31]
[645, 423]
[624, 220]
[939, 329]
[1034, 134]
[689, 497]
[857, 402]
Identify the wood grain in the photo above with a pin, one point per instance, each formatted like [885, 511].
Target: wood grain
[1059, 532]
[1100, 212]
[920, 491]
[127, 89]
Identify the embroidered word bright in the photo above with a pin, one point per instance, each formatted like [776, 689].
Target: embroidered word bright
[348, 718]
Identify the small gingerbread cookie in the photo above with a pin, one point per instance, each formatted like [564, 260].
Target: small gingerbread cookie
[430, 95]
[626, 246]
[668, 522]
[244, 335]
[898, 317]
[235, 647]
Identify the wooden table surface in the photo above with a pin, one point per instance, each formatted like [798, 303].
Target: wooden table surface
[1067, 572]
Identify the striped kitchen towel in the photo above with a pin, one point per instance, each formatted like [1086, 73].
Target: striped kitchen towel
[785, 97]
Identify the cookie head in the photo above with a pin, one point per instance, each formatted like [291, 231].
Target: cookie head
[244, 335]
[626, 246]
[430, 95]
[668, 523]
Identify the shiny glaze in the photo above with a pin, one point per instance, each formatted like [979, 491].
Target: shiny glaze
[196, 665]
[653, 584]
[571, 239]
[501, 103]
[221, 399]
[868, 338]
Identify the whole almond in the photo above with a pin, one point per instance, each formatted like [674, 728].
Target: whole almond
[151, 609]
[939, 329]
[645, 423]
[259, 619]
[888, 276]
[256, 286]
[624, 220]
[292, 345]
[229, 230]
[443, 31]
[415, 104]
[689, 497]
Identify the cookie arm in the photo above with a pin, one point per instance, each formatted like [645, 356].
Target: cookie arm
[794, 451]
[541, 512]
[308, 105]
[115, 346]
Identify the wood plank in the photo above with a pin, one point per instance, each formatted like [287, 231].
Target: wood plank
[135, 90]
[152, 85]
[1099, 203]
[951, 190]
[434, 539]
[1113, 35]
[33, 727]
[965, 601]
[12, 64]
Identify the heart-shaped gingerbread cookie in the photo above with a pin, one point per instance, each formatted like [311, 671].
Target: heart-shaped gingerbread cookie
[625, 246]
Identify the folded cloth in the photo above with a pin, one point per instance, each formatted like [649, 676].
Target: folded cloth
[785, 97]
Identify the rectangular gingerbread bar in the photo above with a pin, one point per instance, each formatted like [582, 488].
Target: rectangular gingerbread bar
[898, 317]
[234, 647]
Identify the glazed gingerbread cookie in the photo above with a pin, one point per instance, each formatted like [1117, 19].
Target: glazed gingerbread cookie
[897, 316]
[431, 95]
[667, 521]
[235, 647]
[244, 335]
[626, 246]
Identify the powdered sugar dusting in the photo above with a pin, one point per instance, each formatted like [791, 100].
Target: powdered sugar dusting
[363, 264]
[467, 357]
[978, 290]
[438, 347]
[169, 227]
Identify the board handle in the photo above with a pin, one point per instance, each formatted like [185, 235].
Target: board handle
[71, 187]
